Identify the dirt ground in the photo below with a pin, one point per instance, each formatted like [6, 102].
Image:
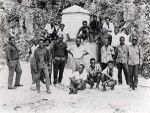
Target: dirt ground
[23, 99]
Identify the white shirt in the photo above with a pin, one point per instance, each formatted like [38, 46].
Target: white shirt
[77, 51]
[114, 74]
[111, 27]
[78, 76]
[64, 34]
[49, 28]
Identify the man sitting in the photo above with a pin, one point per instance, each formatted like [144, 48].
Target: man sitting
[94, 74]
[108, 75]
[77, 81]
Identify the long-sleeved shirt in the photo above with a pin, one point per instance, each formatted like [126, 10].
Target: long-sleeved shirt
[60, 50]
[122, 53]
[41, 57]
[12, 52]
[78, 76]
[135, 55]
[106, 53]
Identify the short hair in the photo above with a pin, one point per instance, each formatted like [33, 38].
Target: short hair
[40, 40]
[107, 18]
[92, 59]
[11, 37]
[110, 62]
[82, 65]
[62, 24]
[78, 38]
[84, 22]
[135, 38]
[122, 37]
[94, 16]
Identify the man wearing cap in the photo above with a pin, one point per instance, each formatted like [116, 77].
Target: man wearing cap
[61, 30]
[12, 56]
[41, 55]
[109, 27]
[135, 60]
[60, 57]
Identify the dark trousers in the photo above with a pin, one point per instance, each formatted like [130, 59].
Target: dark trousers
[94, 78]
[133, 75]
[59, 66]
[124, 67]
[14, 66]
[103, 65]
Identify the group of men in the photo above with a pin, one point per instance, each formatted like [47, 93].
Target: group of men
[52, 53]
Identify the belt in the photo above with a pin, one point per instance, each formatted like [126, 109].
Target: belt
[60, 58]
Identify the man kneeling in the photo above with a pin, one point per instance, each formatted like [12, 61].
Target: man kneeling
[108, 76]
[77, 81]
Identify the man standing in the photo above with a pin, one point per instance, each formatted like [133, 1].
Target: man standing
[109, 76]
[77, 81]
[78, 52]
[32, 59]
[107, 52]
[122, 57]
[60, 56]
[94, 73]
[83, 32]
[135, 60]
[12, 56]
[41, 55]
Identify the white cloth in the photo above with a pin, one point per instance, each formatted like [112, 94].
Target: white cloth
[78, 76]
[77, 51]
[49, 29]
[114, 74]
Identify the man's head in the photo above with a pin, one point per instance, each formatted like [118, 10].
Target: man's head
[107, 19]
[47, 42]
[106, 42]
[78, 42]
[110, 64]
[12, 40]
[35, 41]
[92, 62]
[62, 26]
[134, 40]
[60, 38]
[81, 68]
[122, 40]
[52, 22]
[41, 43]
[84, 23]
[94, 18]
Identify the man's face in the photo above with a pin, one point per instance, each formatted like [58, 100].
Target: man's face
[61, 26]
[92, 63]
[52, 22]
[110, 65]
[95, 18]
[41, 43]
[81, 68]
[47, 43]
[106, 42]
[78, 42]
[12, 41]
[35, 41]
[134, 41]
[85, 24]
[122, 40]
[107, 20]
[60, 38]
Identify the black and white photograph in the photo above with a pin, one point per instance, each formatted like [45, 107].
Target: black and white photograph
[74, 56]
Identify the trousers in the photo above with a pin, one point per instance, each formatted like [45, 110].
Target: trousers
[14, 66]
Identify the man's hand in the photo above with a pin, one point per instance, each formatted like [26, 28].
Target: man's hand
[11, 63]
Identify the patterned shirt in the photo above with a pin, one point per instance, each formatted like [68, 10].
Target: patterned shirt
[106, 54]
[135, 55]
[94, 70]
[122, 54]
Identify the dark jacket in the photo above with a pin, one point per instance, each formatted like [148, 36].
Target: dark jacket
[12, 52]
[41, 57]
[60, 50]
